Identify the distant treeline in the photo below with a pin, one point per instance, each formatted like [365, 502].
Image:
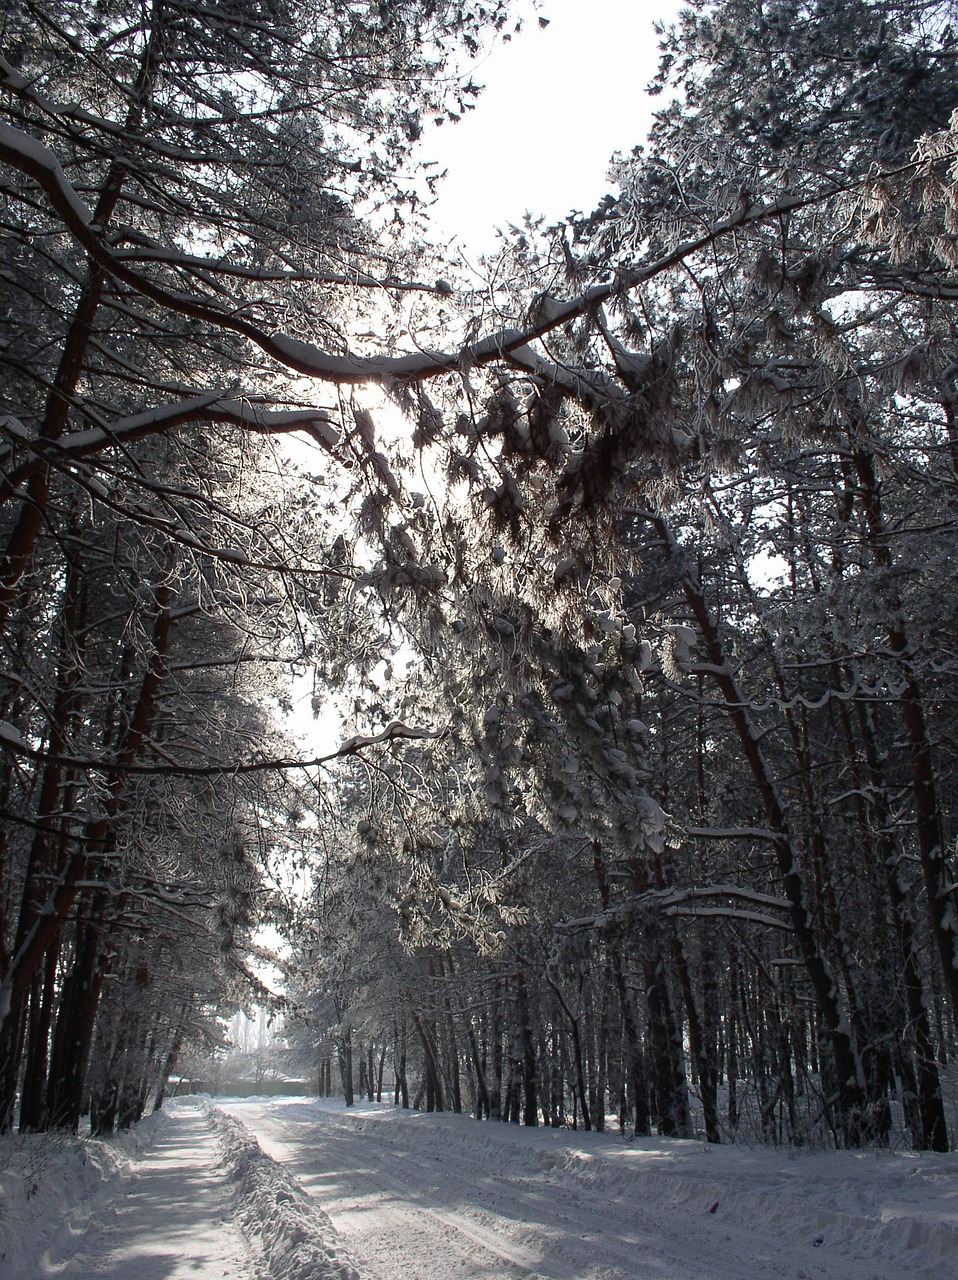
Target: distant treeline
[245, 1088]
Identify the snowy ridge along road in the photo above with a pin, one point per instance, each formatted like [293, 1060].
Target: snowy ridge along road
[442, 1197]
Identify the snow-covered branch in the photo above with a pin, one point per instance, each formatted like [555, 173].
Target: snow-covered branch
[12, 741]
[39, 162]
[210, 406]
[686, 902]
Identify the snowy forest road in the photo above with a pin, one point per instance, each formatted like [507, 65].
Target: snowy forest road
[440, 1197]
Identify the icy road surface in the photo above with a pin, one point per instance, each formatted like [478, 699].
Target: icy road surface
[442, 1197]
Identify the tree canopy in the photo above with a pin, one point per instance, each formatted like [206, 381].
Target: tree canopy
[642, 623]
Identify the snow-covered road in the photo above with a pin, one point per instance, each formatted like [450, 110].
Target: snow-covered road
[299, 1189]
[417, 1197]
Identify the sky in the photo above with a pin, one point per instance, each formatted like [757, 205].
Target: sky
[558, 102]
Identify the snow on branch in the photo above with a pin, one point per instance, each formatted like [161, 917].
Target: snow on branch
[39, 162]
[730, 833]
[395, 729]
[743, 904]
[23, 152]
[222, 266]
[674, 897]
[209, 406]
[734, 913]
[12, 741]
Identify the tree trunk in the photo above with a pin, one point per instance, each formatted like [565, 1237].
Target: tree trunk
[43, 925]
[346, 1064]
[432, 1078]
[530, 1106]
[379, 1073]
[399, 1061]
[849, 1077]
[33, 1117]
[940, 890]
[73, 1033]
[931, 1109]
[580, 1091]
[638, 1080]
[172, 1057]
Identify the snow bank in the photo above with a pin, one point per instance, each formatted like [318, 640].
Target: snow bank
[294, 1237]
[52, 1185]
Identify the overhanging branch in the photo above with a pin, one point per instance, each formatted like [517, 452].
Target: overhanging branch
[33, 159]
[396, 731]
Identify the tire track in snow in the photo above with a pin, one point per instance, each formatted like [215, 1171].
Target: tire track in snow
[391, 1235]
[410, 1237]
[645, 1212]
[481, 1229]
[435, 1202]
[294, 1238]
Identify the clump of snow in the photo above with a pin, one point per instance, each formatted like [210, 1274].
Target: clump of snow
[295, 1238]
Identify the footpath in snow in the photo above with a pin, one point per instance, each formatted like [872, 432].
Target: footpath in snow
[81, 1211]
[299, 1189]
[189, 1195]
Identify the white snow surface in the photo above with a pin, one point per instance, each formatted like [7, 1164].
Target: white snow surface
[150, 1205]
[304, 1189]
[292, 1236]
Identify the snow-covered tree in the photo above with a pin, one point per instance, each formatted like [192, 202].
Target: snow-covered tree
[743, 369]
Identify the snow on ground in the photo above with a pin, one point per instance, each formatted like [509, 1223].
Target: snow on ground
[442, 1197]
[300, 1189]
[291, 1234]
[52, 1185]
[150, 1205]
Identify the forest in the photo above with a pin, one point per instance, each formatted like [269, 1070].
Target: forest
[627, 574]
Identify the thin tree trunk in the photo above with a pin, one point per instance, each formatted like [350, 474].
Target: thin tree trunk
[941, 894]
[849, 1077]
[346, 1064]
[66, 380]
[580, 1090]
[433, 1079]
[82, 865]
[642, 1125]
[530, 1080]
[33, 1115]
[172, 1057]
